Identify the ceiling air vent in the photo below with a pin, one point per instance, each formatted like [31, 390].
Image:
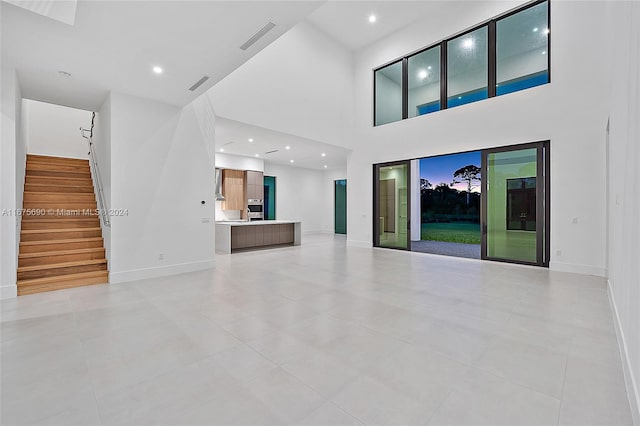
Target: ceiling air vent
[271, 152]
[199, 83]
[257, 36]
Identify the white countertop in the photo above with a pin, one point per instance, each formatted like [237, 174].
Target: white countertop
[256, 222]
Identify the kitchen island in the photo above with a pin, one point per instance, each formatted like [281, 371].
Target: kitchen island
[233, 236]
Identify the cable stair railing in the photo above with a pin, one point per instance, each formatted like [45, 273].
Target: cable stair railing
[95, 175]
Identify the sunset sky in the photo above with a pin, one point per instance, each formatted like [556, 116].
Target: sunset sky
[440, 169]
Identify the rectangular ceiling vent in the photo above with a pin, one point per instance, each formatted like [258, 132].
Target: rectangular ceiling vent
[257, 36]
[271, 152]
[199, 83]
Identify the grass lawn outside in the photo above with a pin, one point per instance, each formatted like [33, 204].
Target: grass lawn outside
[457, 232]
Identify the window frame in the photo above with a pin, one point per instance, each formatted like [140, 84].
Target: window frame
[491, 25]
[402, 88]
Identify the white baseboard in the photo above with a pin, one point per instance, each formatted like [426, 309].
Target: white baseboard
[629, 380]
[356, 243]
[161, 271]
[8, 291]
[599, 271]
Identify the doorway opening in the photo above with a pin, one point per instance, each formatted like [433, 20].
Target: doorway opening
[269, 200]
[340, 206]
[450, 205]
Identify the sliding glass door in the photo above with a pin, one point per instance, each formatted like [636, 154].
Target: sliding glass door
[391, 205]
[515, 207]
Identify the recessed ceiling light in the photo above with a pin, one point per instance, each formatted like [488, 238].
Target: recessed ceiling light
[323, 154]
[325, 166]
[221, 149]
[468, 43]
[373, 18]
[157, 69]
[64, 73]
[535, 30]
[257, 155]
[291, 161]
[429, 67]
[250, 139]
[423, 74]
[287, 147]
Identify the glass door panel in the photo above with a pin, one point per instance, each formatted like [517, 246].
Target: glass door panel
[391, 206]
[514, 199]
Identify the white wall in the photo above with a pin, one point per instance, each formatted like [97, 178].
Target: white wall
[10, 101]
[162, 166]
[54, 130]
[237, 162]
[102, 152]
[301, 84]
[624, 189]
[292, 203]
[571, 112]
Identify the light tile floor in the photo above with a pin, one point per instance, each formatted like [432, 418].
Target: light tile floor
[320, 334]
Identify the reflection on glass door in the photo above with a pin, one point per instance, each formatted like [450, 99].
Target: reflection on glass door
[515, 201]
[391, 205]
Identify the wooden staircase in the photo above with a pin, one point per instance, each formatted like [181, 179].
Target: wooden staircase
[63, 247]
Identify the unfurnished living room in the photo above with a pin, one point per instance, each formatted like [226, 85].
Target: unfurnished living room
[322, 212]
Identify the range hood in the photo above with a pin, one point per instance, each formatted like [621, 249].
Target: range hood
[219, 196]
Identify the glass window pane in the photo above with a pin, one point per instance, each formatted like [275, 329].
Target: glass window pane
[522, 45]
[511, 205]
[389, 94]
[424, 82]
[393, 206]
[467, 68]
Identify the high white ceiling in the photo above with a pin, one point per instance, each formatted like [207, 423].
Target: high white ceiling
[113, 45]
[233, 138]
[347, 21]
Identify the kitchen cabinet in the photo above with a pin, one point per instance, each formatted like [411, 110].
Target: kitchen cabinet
[255, 185]
[233, 189]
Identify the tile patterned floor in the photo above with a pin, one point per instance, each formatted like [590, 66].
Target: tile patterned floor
[320, 334]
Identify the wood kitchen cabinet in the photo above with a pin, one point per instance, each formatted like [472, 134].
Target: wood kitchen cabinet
[233, 189]
[255, 185]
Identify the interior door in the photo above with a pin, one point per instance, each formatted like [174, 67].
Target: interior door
[515, 204]
[391, 206]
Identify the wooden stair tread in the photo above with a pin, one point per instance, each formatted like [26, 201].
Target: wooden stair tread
[60, 252]
[72, 240]
[50, 219]
[51, 157]
[58, 278]
[59, 178]
[62, 194]
[49, 231]
[62, 265]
